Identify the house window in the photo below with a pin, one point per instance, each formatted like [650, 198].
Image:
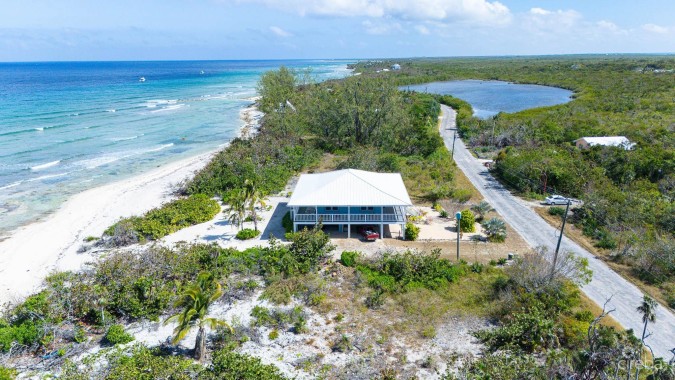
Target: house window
[366, 209]
[331, 208]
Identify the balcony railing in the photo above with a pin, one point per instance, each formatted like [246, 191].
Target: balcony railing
[357, 218]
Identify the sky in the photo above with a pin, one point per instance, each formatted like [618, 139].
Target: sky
[83, 30]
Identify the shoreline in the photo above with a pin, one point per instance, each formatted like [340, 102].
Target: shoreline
[31, 252]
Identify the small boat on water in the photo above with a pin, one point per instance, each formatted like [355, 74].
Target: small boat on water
[141, 79]
[202, 72]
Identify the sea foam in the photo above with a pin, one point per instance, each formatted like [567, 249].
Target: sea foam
[45, 165]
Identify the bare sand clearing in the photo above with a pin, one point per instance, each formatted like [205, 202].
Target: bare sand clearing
[35, 250]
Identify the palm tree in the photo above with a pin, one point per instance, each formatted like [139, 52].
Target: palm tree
[254, 196]
[196, 300]
[648, 311]
[236, 200]
[482, 209]
[495, 229]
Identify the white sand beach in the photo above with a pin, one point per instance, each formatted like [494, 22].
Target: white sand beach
[34, 251]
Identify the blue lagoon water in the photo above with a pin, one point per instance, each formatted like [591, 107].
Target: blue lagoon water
[68, 127]
[488, 98]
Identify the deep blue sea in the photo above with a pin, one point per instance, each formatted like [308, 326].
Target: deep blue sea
[488, 98]
[68, 127]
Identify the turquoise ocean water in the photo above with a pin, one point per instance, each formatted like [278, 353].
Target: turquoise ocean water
[68, 127]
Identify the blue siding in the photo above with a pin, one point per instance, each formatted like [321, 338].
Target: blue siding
[341, 210]
[355, 210]
[358, 211]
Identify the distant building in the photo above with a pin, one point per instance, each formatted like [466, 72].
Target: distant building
[396, 67]
[617, 141]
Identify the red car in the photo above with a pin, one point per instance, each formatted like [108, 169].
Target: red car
[369, 233]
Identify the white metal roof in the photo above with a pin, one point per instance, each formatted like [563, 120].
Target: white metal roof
[620, 141]
[350, 187]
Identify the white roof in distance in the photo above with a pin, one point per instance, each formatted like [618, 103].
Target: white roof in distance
[621, 141]
[350, 187]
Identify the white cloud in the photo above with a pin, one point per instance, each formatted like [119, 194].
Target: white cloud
[653, 28]
[380, 28]
[472, 11]
[280, 32]
[543, 20]
[539, 11]
[421, 29]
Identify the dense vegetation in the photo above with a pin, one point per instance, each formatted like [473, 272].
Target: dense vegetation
[628, 195]
[162, 221]
[129, 286]
[366, 122]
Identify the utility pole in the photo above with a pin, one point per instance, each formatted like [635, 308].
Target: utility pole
[557, 248]
[458, 216]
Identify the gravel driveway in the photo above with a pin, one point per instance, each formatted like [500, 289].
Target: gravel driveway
[537, 232]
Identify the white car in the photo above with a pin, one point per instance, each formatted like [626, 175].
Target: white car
[556, 200]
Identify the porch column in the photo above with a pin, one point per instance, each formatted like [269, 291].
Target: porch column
[349, 222]
[316, 215]
[381, 231]
[295, 227]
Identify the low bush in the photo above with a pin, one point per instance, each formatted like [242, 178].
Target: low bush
[164, 220]
[117, 335]
[274, 334]
[495, 229]
[229, 365]
[348, 258]
[461, 195]
[555, 210]
[247, 233]
[7, 373]
[466, 223]
[443, 214]
[412, 232]
[399, 272]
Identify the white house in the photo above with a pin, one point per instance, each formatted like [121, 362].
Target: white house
[396, 67]
[349, 198]
[618, 141]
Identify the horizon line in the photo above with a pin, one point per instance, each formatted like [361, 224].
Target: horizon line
[349, 59]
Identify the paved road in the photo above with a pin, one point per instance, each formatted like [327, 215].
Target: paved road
[537, 232]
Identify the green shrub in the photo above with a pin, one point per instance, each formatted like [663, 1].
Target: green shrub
[461, 195]
[247, 234]
[466, 223]
[400, 272]
[229, 365]
[342, 344]
[348, 258]
[526, 330]
[7, 373]
[411, 231]
[495, 229]
[117, 335]
[274, 334]
[555, 210]
[166, 219]
[287, 222]
[90, 239]
[444, 214]
[429, 332]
